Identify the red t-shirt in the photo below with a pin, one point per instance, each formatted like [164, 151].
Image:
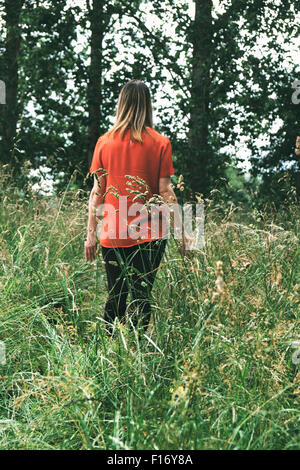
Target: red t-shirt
[131, 166]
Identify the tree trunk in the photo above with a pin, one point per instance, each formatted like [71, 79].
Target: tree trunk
[9, 111]
[297, 152]
[199, 149]
[96, 16]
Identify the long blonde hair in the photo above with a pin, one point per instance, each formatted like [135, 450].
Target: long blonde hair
[134, 111]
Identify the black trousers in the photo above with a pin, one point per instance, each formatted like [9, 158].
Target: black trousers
[131, 270]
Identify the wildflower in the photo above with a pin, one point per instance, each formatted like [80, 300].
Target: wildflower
[220, 285]
[219, 267]
[180, 184]
[199, 198]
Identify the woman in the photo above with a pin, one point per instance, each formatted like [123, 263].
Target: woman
[131, 164]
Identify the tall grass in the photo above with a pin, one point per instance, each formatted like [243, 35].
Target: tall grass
[215, 369]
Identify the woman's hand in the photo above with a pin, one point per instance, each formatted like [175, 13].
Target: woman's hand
[90, 247]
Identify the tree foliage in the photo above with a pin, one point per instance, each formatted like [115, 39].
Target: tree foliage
[215, 75]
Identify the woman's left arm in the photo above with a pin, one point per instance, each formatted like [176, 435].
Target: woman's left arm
[96, 199]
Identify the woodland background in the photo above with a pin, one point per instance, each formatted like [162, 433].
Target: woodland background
[220, 73]
[218, 367]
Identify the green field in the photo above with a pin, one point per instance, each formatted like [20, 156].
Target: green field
[217, 369]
